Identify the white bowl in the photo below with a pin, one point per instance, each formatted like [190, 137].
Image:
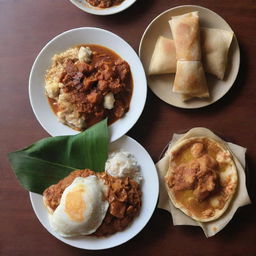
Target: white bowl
[150, 190]
[85, 6]
[62, 42]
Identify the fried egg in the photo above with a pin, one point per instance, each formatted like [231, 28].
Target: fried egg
[82, 208]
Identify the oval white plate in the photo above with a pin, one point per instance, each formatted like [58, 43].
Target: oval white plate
[62, 42]
[161, 84]
[85, 6]
[150, 190]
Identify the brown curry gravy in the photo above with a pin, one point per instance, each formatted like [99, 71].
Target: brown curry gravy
[98, 50]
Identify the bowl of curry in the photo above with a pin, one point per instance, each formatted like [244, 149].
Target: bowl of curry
[83, 76]
[103, 7]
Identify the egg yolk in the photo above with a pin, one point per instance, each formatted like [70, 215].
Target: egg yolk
[75, 205]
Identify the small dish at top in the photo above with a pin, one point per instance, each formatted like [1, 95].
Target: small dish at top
[71, 38]
[161, 85]
[86, 7]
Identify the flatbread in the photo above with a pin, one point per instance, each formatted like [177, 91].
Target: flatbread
[190, 80]
[186, 34]
[219, 199]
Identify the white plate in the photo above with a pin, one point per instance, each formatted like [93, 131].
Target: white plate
[150, 190]
[62, 42]
[85, 6]
[161, 84]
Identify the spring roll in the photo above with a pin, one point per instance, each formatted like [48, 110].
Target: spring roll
[190, 79]
[186, 34]
[215, 45]
[163, 60]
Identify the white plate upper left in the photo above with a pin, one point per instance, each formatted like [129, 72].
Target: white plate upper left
[150, 191]
[62, 42]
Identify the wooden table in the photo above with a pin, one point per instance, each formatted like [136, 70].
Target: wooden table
[25, 27]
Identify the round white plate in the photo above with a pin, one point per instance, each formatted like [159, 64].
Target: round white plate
[161, 85]
[150, 190]
[62, 42]
[85, 6]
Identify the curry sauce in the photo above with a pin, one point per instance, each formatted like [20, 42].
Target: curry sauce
[86, 85]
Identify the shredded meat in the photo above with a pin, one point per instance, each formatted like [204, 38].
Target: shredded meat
[124, 197]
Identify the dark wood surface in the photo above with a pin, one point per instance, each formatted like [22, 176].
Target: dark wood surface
[25, 27]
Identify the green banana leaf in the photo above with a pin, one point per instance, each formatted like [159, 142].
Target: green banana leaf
[51, 159]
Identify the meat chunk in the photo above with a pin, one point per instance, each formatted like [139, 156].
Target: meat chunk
[117, 209]
[102, 85]
[106, 71]
[207, 162]
[84, 67]
[119, 111]
[197, 150]
[122, 68]
[184, 177]
[70, 67]
[94, 97]
[88, 83]
[77, 77]
[206, 184]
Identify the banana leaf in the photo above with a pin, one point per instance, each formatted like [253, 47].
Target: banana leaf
[51, 159]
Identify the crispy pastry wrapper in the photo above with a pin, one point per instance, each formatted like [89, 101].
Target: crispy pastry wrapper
[240, 198]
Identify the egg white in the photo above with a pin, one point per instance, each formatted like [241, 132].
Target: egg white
[85, 220]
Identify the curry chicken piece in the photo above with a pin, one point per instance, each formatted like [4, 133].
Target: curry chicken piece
[207, 183]
[199, 175]
[184, 178]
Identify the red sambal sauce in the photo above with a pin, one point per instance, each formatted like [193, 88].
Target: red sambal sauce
[107, 72]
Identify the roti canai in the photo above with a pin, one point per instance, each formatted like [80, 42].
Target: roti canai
[202, 178]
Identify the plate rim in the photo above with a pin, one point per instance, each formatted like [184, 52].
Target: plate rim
[143, 77]
[103, 11]
[150, 211]
[234, 39]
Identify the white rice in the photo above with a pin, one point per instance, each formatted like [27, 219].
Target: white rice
[123, 164]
